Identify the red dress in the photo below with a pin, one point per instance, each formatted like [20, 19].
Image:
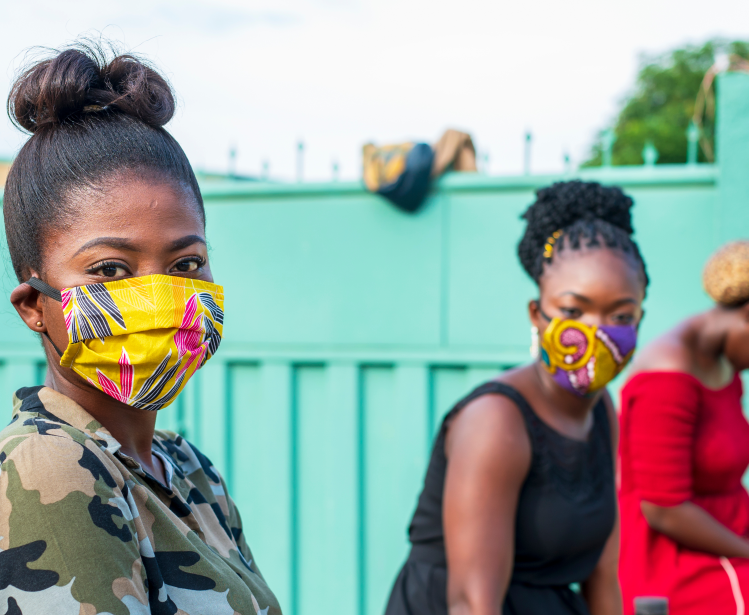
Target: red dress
[682, 441]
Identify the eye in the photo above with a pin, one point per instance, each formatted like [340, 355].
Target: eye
[192, 263]
[571, 313]
[623, 319]
[109, 270]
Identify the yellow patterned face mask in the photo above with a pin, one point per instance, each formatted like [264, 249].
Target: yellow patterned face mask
[585, 359]
[140, 340]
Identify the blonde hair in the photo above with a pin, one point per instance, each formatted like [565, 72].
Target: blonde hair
[726, 274]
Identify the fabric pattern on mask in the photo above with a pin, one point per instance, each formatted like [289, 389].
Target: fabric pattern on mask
[140, 340]
[585, 359]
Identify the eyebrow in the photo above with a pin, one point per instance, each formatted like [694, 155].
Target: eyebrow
[184, 242]
[120, 243]
[584, 299]
[626, 300]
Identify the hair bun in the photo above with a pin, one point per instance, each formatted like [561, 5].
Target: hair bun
[80, 81]
[580, 209]
[564, 203]
[726, 274]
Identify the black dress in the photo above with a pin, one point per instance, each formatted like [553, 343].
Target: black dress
[565, 514]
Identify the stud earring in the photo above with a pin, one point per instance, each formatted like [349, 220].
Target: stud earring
[534, 342]
[39, 324]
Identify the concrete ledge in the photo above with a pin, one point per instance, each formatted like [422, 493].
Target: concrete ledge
[705, 174]
[676, 174]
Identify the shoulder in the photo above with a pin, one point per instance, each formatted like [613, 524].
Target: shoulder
[667, 353]
[661, 383]
[42, 448]
[44, 475]
[185, 455]
[38, 410]
[649, 397]
[664, 366]
[492, 427]
[489, 454]
[29, 417]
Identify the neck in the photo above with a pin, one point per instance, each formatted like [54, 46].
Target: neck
[707, 333]
[566, 403]
[131, 427]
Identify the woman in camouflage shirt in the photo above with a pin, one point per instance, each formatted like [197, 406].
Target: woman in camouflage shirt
[100, 513]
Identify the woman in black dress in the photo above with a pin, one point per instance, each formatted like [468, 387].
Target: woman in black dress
[518, 512]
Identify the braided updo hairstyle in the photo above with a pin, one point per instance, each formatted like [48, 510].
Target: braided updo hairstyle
[90, 118]
[587, 214]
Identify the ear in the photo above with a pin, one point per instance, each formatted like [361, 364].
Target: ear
[534, 315]
[28, 304]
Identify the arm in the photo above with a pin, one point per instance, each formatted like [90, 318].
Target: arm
[662, 420]
[601, 590]
[695, 528]
[489, 456]
[67, 535]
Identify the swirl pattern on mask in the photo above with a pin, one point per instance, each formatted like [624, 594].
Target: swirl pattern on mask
[574, 338]
[584, 359]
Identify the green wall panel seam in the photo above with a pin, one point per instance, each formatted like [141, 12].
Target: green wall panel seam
[431, 399]
[294, 497]
[362, 490]
[228, 433]
[197, 436]
[445, 271]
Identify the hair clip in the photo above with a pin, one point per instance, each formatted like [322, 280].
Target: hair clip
[549, 247]
[93, 108]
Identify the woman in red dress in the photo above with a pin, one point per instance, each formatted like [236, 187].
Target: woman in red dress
[684, 449]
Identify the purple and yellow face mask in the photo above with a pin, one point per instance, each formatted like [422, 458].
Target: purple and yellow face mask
[585, 359]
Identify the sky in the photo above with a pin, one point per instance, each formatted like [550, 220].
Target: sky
[261, 76]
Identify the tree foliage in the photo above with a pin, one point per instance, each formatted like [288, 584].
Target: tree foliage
[662, 105]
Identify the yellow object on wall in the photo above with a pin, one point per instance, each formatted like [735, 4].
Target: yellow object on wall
[4, 170]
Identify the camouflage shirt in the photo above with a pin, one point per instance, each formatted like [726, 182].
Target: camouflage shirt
[84, 529]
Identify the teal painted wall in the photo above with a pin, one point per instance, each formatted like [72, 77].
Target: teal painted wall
[351, 328]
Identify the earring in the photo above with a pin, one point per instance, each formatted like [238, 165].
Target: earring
[534, 342]
[39, 324]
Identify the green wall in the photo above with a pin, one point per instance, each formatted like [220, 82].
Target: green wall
[352, 327]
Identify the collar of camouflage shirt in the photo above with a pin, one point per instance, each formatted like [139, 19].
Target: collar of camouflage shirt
[56, 409]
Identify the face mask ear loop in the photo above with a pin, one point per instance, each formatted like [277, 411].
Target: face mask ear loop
[53, 344]
[52, 293]
[540, 311]
[45, 289]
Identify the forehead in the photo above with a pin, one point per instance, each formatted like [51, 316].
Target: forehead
[597, 273]
[134, 204]
[148, 213]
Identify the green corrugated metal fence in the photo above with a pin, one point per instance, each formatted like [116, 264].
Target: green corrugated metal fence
[351, 328]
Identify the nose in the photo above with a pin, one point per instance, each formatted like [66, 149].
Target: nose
[593, 320]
